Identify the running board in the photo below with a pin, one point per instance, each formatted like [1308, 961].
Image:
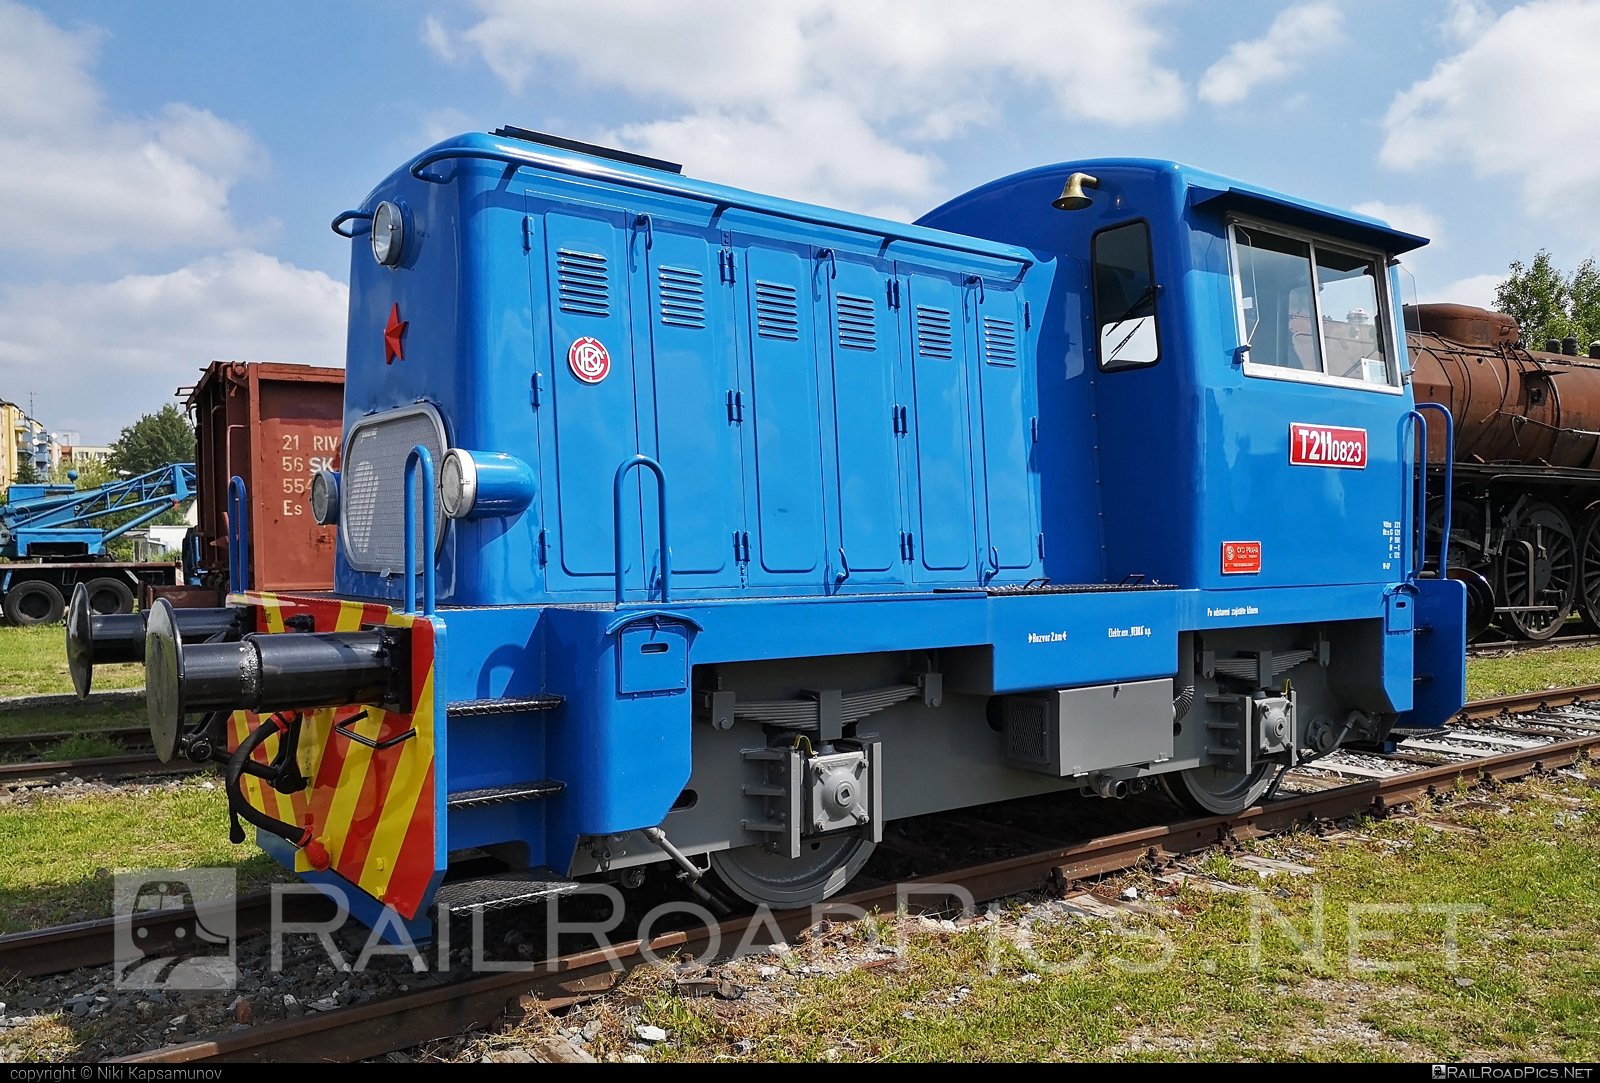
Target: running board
[501, 795]
[473, 708]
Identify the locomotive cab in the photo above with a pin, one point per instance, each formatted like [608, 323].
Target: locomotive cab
[686, 527]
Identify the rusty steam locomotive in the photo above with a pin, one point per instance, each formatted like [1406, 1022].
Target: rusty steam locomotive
[1525, 530]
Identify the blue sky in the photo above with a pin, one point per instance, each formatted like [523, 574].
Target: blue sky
[167, 171]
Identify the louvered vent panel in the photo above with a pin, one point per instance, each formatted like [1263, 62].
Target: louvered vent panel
[934, 337]
[858, 325]
[999, 341]
[777, 311]
[683, 297]
[584, 285]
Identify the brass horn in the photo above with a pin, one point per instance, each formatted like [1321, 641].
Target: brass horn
[1072, 197]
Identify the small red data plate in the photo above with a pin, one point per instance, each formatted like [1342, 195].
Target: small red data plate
[1241, 558]
[1327, 445]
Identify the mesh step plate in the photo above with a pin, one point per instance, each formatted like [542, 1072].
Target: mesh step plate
[500, 795]
[469, 708]
[516, 887]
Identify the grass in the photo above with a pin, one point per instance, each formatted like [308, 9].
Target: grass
[34, 660]
[1531, 671]
[60, 852]
[1182, 985]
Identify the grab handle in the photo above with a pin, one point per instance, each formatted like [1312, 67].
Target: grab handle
[1449, 484]
[346, 729]
[349, 216]
[238, 537]
[616, 505]
[420, 456]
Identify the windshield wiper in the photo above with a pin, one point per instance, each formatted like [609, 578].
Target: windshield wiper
[1144, 298]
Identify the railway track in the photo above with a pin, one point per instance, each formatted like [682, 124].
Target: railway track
[1497, 739]
[1502, 648]
[131, 764]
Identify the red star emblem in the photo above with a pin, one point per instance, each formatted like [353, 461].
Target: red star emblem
[391, 336]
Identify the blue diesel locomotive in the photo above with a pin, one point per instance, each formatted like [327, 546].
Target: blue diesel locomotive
[683, 524]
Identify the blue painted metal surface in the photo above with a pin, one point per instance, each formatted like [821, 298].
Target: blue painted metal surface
[867, 427]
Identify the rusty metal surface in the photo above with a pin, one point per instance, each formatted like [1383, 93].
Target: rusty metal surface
[274, 426]
[1530, 701]
[139, 763]
[1510, 405]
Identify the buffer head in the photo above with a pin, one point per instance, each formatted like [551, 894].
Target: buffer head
[163, 679]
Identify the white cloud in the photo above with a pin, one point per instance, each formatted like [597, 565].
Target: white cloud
[825, 99]
[1465, 20]
[1477, 290]
[78, 179]
[1407, 217]
[99, 355]
[1296, 34]
[1528, 84]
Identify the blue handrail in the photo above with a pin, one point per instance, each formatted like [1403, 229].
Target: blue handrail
[616, 505]
[1416, 499]
[419, 456]
[238, 536]
[1449, 483]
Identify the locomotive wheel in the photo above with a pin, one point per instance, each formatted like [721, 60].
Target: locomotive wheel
[34, 602]
[1554, 572]
[1589, 570]
[824, 867]
[1217, 791]
[108, 596]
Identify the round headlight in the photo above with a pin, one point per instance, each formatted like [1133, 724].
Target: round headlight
[388, 233]
[325, 497]
[458, 483]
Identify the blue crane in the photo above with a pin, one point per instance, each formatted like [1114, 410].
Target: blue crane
[57, 520]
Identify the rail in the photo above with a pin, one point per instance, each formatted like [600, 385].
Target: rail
[616, 507]
[719, 204]
[421, 458]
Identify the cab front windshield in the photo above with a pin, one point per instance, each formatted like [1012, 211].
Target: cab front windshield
[1310, 306]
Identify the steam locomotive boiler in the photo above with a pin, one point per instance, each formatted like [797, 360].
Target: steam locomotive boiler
[1525, 533]
[683, 526]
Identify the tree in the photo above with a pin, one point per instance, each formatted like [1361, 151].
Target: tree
[1547, 304]
[27, 473]
[152, 442]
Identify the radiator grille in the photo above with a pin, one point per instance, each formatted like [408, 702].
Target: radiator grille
[683, 297]
[858, 324]
[999, 341]
[584, 285]
[372, 513]
[1026, 730]
[934, 335]
[777, 311]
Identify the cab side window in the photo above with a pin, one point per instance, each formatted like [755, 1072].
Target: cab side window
[1125, 297]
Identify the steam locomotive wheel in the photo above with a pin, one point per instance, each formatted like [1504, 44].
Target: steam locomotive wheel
[1550, 579]
[824, 867]
[1589, 570]
[1217, 791]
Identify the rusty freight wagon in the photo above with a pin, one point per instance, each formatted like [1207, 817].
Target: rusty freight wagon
[273, 426]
